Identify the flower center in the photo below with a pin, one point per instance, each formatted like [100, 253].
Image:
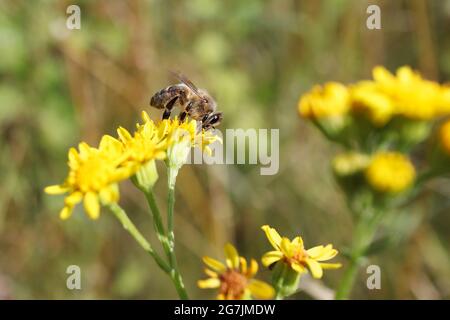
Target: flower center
[93, 174]
[233, 284]
[299, 256]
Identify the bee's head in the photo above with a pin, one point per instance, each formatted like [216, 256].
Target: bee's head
[207, 101]
[212, 120]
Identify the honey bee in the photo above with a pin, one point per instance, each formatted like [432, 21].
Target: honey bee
[193, 102]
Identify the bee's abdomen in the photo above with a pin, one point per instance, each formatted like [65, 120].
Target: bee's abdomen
[160, 99]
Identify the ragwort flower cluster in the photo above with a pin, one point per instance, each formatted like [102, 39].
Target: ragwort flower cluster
[379, 122]
[94, 172]
[381, 125]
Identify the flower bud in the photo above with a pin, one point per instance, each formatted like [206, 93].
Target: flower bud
[285, 279]
[146, 177]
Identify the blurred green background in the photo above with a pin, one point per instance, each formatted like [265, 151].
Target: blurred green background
[60, 86]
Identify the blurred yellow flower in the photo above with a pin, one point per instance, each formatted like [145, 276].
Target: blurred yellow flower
[349, 163]
[294, 254]
[93, 176]
[235, 278]
[444, 105]
[370, 100]
[413, 96]
[332, 99]
[390, 172]
[445, 136]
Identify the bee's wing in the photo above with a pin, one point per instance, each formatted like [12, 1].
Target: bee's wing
[186, 81]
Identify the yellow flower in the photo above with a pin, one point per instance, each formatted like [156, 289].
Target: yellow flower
[177, 131]
[93, 176]
[294, 254]
[390, 172]
[413, 96]
[235, 278]
[444, 104]
[444, 133]
[145, 145]
[370, 100]
[349, 163]
[181, 137]
[329, 100]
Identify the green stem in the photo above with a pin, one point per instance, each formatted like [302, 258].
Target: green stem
[279, 296]
[363, 236]
[167, 244]
[348, 279]
[171, 236]
[170, 208]
[157, 221]
[134, 232]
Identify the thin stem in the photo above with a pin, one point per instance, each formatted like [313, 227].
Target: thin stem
[348, 279]
[157, 221]
[278, 296]
[166, 243]
[170, 208]
[171, 235]
[134, 232]
[363, 236]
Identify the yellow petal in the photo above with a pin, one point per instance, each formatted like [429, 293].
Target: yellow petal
[253, 268]
[123, 134]
[84, 149]
[109, 194]
[298, 267]
[330, 265]
[160, 155]
[72, 199]
[327, 255]
[271, 257]
[298, 242]
[210, 283]
[55, 189]
[273, 236]
[315, 251]
[380, 74]
[214, 264]
[321, 253]
[92, 205]
[286, 247]
[73, 158]
[315, 268]
[146, 117]
[232, 256]
[243, 264]
[261, 290]
[211, 273]
[65, 213]
[110, 144]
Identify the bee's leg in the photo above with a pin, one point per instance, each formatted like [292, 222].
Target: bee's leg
[188, 107]
[183, 116]
[186, 110]
[169, 107]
